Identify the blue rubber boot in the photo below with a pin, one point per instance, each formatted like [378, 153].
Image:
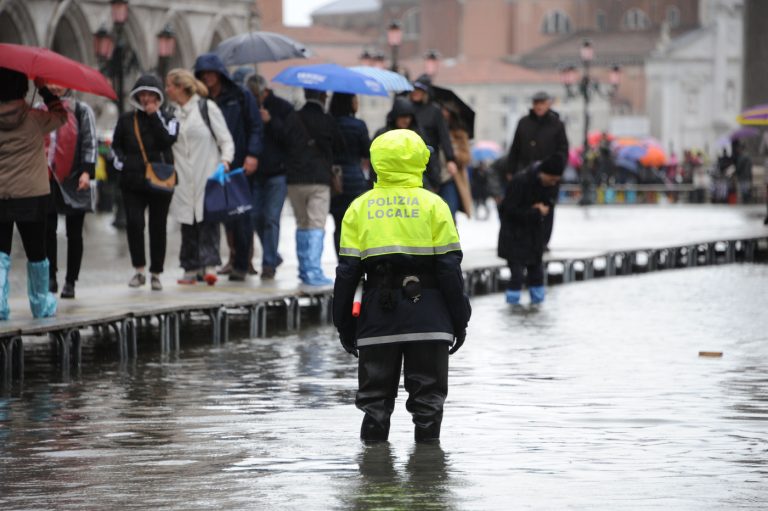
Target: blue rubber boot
[41, 301]
[302, 253]
[537, 294]
[5, 269]
[315, 276]
[513, 297]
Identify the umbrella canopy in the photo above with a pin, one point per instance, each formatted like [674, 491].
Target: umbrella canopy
[330, 77]
[654, 156]
[484, 153]
[745, 132]
[447, 97]
[54, 68]
[754, 116]
[255, 47]
[393, 82]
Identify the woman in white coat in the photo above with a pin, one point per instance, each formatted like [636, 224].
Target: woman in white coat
[199, 149]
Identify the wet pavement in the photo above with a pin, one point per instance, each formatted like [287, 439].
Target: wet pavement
[598, 400]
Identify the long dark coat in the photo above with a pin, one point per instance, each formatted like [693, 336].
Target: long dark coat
[536, 139]
[522, 236]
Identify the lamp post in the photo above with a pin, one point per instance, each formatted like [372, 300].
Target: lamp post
[394, 39]
[431, 62]
[166, 47]
[587, 87]
[110, 48]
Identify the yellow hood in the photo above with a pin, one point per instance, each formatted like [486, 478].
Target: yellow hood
[399, 158]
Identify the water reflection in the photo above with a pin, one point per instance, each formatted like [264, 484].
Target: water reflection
[423, 482]
[598, 400]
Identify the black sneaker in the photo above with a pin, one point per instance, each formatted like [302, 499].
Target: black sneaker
[68, 291]
[53, 286]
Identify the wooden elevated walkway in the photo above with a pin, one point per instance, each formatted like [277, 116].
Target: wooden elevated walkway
[117, 311]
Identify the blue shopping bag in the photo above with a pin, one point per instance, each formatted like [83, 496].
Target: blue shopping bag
[227, 195]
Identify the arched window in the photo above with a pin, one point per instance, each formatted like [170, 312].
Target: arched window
[412, 24]
[601, 21]
[556, 22]
[673, 16]
[636, 19]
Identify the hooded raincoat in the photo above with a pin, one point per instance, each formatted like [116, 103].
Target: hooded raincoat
[396, 230]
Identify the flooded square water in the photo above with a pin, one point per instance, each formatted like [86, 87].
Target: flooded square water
[597, 400]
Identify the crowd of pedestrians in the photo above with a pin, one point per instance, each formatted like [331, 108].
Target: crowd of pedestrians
[165, 149]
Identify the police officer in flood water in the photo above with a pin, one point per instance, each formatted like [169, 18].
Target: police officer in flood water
[400, 240]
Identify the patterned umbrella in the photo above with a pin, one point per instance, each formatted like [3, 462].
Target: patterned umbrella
[754, 116]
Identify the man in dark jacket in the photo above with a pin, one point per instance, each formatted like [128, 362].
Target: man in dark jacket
[315, 139]
[269, 186]
[528, 200]
[243, 118]
[434, 131]
[539, 135]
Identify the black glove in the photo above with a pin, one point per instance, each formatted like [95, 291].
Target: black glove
[458, 341]
[349, 344]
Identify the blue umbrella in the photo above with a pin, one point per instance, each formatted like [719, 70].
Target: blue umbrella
[330, 77]
[393, 82]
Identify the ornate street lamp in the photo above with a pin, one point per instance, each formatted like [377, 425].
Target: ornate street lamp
[431, 62]
[166, 47]
[587, 87]
[110, 48]
[394, 39]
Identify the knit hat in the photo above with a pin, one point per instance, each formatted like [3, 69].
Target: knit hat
[554, 165]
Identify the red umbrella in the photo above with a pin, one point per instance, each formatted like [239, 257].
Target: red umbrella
[54, 68]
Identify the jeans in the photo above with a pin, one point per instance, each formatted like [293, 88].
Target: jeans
[242, 230]
[268, 199]
[450, 195]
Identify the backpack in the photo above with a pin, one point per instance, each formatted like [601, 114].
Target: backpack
[67, 145]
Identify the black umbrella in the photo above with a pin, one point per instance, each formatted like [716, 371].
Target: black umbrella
[255, 47]
[449, 99]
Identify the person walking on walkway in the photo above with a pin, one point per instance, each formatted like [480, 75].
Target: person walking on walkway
[24, 187]
[434, 131]
[402, 241]
[241, 112]
[316, 141]
[203, 143]
[352, 161]
[522, 236]
[269, 186]
[539, 135]
[145, 131]
[72, 163]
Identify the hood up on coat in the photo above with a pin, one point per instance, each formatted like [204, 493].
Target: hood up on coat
[399, 158]
[150, 83]
[212, 62]
[12, 114]
[401, 108]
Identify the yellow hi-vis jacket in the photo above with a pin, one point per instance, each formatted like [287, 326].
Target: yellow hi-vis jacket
[412, 229]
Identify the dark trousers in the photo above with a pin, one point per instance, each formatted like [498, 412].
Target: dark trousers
[34, 243]
[136, 203]
[339, 205]
[533, 278]
[242, 232]
[425, 369]
[74, 223]
[199, 246]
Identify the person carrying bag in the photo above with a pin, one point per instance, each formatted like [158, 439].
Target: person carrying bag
[141, 138]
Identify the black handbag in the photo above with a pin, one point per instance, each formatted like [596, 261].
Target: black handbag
[74, 199]
[160, 176]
